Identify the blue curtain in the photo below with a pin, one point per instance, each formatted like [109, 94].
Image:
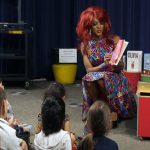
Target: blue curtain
[8, 11]
[54, 23]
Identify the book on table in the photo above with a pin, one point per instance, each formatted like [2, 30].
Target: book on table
[118, 52]
[134, 61]
[147, 63]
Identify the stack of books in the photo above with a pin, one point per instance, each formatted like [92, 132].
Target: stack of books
[145, 77]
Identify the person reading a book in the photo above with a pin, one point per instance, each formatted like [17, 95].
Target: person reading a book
[103, 80]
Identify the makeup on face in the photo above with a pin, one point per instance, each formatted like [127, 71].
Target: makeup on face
[97, 28]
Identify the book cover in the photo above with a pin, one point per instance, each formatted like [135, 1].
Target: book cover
[147, 61]
[125, 44]
[118, 52]
[134, 61]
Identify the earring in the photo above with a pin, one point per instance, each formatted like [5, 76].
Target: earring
[90, 32]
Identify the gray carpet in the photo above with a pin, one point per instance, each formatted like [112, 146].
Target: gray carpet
[26, 105]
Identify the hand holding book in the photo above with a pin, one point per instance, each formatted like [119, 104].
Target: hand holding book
[119, 67]
[107, 58]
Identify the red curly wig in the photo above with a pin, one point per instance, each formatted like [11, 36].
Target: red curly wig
[86, 20]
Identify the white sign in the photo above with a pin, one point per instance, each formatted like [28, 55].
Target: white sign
[67, 55]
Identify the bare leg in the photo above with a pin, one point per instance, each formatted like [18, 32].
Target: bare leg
[102, 90]
[67, 126]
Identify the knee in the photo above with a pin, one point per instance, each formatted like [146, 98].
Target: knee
[101, 84]
[91, 86]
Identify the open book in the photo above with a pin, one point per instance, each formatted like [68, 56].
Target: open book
[118, 52]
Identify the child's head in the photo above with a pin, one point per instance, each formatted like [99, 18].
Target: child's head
[55, 89]
[98, 119]
[1, 84]
[3, 103]
[53, 114]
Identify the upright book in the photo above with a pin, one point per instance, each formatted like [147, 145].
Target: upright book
[147, 63]
[118, 52]
[134, 61]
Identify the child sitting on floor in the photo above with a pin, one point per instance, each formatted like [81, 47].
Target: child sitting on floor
[52, 136]
[99, 122]
[57, 90]
[21, 132]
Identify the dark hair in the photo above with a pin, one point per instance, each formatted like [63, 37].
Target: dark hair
[98, 118]
[55, 89]
[53, 114]
[2, 96]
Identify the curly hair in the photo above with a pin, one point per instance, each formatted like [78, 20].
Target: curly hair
[53, 114]
[86, 21]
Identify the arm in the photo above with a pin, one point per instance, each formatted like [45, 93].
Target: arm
[67, 126]
[23, 145]
[87, 63]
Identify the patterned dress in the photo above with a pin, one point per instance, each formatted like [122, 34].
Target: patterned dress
[119, 98]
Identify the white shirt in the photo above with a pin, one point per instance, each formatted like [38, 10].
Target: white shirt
[8, 138]
[56, 141]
